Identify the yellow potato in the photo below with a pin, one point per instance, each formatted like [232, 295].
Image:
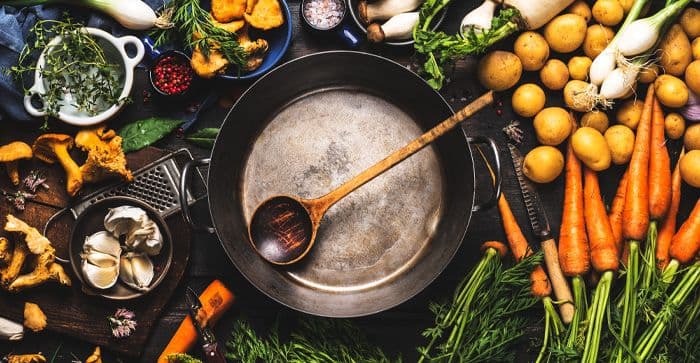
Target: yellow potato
[608, 12]
[578, 96]
[554, 74]
[591, 148]
[528, 100]
[595, 119]
[552, 126]
[671, 91]
[579, 67]
[597, 38]
[629, 113]
[532, 50]
[626, 5]
[543, 164]
[499, 70]
[620, 141]
[581, 9]
[696, 48]
[690, 22]
[565, 33]
[649, 74]
[692, 76]
[674, 124]
[675, 51]
[691, 139]
[690, 168]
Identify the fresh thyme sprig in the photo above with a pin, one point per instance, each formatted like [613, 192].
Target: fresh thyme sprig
[76, 71]
[194, 30]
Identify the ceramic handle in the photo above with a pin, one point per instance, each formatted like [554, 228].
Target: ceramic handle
[131, 62]
[34, 91]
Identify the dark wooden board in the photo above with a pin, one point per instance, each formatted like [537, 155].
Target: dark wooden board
[70, 311]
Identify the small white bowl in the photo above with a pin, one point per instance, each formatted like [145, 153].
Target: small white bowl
[68, 114]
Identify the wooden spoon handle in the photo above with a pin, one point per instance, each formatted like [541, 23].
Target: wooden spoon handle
[321, 204]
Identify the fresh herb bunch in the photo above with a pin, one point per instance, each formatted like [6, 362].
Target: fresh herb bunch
[194, 30]
[76, 67]
[441, 49]
[317, 340]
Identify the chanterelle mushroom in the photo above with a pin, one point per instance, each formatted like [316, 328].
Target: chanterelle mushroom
[105, 157]
[10, 154]
[50, 148]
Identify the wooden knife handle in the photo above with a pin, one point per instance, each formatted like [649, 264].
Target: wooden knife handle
[562, 292]
[212, 353]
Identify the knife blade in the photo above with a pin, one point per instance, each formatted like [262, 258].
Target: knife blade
[540, 226]
[212, 353]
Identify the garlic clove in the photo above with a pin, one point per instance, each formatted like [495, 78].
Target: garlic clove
[102, 242]
[136, 270]
[100, 277]
[146, 239]
[100, 259]
[121, 220]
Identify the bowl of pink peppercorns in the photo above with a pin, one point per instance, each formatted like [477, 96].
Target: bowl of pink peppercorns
[171, 74]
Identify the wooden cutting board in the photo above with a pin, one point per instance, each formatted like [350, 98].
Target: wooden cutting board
[70, 311]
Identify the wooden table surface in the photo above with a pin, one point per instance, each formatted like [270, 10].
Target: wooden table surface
[396, 330]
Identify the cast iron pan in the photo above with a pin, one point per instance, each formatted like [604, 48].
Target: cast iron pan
[308, 126]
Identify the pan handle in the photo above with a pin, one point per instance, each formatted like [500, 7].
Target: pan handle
[497, 160]
[184, 182]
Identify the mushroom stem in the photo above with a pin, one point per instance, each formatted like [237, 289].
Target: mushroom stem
[13, 171]
[384, 9]
[74, 178]
[399, 27]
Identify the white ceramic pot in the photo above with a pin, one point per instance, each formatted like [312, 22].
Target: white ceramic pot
[72, 116]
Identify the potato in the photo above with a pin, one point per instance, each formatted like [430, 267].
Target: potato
[626, 5]
[532, 50]
[565, 33]
[690, 168]
[597, 38]
[528, 100]
[696, 48]
[581, 9]
[499, 70]
[595, 119]
[629, 113]
[690, 22]
[691, 139]
[620, 141]
[674, 124]
[543, 164]
[649, 74]
[692, 76]
[671, 91]
[591, 148]
[577, 96]
[608, 12]
[675, 51]
[554, 74]
[579, 67]
[552, 126]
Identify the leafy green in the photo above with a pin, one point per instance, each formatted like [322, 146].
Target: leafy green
[204, 137]
[139, 134]
[181, 358]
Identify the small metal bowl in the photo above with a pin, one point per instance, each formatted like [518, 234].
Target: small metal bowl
[352, 6]
[92, 221]
[183, 57]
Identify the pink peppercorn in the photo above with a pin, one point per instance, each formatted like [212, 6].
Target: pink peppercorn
[172, 75]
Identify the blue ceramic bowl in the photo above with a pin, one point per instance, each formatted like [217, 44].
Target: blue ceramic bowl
[278, 40]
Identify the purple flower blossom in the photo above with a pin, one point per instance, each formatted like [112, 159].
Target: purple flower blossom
[18, 199]
[34, 180]
[122, 323]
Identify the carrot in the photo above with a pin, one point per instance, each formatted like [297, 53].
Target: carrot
[659, 167]
[574, 255]
[668, 228]
[615, 215]
[686, 243]
[501, 248]
[216, 300]
[635, 213]
[600, 236]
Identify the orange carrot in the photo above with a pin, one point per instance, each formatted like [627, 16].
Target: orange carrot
[574, 255]
[501, 248]
[600, 236]
[635, 213]
[615, 215]
[539, 282]
[659, 167]
[216, 300]
[686, 243]
[668, 228]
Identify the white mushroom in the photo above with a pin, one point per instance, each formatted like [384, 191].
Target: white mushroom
[136, 270]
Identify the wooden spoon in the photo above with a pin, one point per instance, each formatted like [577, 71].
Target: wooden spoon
[283, 228]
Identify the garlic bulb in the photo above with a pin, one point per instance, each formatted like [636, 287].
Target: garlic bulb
[136, 270]
[121, 220]
[142, 234]
[146, 238]
[100, 260]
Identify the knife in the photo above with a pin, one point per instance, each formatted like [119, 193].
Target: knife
[212, 353]
[540, 226]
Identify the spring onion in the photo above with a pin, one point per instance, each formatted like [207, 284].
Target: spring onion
[642, 35]
[132, 14]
